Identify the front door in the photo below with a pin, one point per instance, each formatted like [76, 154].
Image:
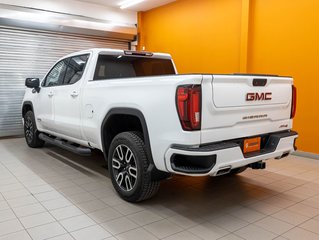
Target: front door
[44, 108]
[67, 99]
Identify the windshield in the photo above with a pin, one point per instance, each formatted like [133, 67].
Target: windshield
[111, 66]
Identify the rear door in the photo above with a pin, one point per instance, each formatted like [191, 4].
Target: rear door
[67, 100]
[244, 105]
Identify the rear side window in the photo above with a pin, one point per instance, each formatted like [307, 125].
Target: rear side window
[75, 69]
[109, 67]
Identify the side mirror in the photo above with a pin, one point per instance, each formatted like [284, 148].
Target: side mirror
[33, 83]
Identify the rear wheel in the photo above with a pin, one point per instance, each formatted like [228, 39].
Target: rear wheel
[31, 132]
[128, 164]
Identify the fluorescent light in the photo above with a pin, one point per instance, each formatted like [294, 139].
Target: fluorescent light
[129, 3]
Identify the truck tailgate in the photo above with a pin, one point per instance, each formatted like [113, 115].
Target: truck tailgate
[244, 105]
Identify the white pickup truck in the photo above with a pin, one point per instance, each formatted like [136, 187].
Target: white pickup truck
[151, 122]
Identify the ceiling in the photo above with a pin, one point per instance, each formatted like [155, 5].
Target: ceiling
[143, 6]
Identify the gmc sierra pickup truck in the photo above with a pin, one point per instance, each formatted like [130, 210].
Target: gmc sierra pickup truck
[151, 122]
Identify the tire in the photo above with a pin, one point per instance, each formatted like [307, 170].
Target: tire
[128, 164]
[31, 132]
[237, 170]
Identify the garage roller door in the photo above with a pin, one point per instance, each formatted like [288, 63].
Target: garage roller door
[26, 53]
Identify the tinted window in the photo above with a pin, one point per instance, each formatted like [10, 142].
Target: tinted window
[108, 67]
[75, 69]
[56, 75]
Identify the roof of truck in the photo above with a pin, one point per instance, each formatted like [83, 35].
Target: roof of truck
[112, 51]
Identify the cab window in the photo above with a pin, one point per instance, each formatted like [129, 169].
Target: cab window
[75, 69]
[56, 75]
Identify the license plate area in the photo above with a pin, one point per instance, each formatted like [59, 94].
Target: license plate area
[251, 144]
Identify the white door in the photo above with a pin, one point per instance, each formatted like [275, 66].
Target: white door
[45, 110]
[67, 99]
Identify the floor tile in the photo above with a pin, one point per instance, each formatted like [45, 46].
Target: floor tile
[162, 211]
[299, 233]
[29, 210]
[182, 236]
[36, 220]
[246, 214]
[22, 235]
[304, 210]
[274, 225]
[290, 217]
[229, 222]
[119, 225]
[10, 226]
[46, 231]
[144, 217]
[62, 237]
[112, 200]
[136, 234]
[163, 228]
[252, 232]
[279, 202]
[92, 206]
[104, 215]
[311, 225]
[46, 196]
[16, 194]
[37, 188]
[78, 222]
[208, 231]
[265, 208]
[280, 238]
[56, 203]
[312, 202]
[11, 187]
[81, 197]
[40, 189]
[93, 233]
[66, 212]
[6, 215]
[4, 205]
[128, 208]
[232, 237]
[22, 201]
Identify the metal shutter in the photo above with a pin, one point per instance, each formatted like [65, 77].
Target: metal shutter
[26, 53]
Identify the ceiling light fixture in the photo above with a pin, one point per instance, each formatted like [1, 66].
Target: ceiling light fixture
[128, 3]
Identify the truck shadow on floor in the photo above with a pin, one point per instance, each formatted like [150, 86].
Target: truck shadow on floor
[191, 197]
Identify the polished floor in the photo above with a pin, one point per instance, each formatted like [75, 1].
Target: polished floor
[49, 193]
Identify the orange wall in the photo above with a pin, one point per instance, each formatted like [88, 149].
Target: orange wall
[207, 36]
[284, 39]
[172, 28]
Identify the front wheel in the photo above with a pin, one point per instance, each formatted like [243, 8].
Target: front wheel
[31, 132]
[128, 164]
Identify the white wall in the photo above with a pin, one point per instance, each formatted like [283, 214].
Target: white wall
[79, 8]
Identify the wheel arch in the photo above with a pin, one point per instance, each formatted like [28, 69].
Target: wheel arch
[27, 106]
[137, 114]
[125, 112]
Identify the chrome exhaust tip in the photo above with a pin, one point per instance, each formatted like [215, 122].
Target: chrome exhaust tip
[223, 171]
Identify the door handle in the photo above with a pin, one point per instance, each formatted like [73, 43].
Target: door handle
[74, 94]
[50, 94]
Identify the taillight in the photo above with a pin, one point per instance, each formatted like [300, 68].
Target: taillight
[293, 102]
[188, 101]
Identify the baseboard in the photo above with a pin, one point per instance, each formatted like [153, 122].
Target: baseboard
[306, 154]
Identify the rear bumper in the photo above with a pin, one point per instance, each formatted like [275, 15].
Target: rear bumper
[211, 158]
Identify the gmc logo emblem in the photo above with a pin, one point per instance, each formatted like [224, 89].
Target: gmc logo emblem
[258, 96]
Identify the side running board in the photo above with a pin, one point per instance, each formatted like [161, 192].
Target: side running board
[75, 148]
